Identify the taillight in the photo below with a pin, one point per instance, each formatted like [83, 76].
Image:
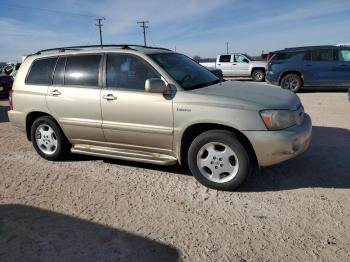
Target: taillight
[11, 100]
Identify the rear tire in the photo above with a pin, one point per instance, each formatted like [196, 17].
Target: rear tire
[258, 75]
[48, 139]
[291, 82]
[218, 160]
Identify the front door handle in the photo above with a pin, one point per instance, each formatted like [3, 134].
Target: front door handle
[109, 97]
[55, 92]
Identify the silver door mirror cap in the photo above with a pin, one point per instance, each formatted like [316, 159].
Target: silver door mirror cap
[155, 85]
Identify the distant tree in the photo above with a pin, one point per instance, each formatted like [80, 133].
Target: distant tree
[196, 58]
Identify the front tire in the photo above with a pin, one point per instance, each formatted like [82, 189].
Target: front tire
[258, 75]
[218, 160]
[48, 139]
[291, 82]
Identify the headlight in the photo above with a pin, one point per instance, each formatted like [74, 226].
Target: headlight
[279, 119]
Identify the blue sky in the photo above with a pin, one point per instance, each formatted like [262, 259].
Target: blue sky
[195, 27]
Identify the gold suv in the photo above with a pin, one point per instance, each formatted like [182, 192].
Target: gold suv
[155, 106]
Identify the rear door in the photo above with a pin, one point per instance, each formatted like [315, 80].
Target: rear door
[74, 97]
[319, 67]
[225, 64]
[241, 65]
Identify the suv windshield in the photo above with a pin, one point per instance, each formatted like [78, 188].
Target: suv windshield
[186, 72]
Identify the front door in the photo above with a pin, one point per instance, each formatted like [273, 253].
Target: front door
[241, 65]
[133, 118]
[342, 69]
[74, 97]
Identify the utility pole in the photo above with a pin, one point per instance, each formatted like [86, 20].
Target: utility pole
[226, 47]
[144, 26]
[100, 28]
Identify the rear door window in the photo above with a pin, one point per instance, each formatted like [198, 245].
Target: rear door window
[322, 55]
[41, 71]
[225, 58]
[82, 70]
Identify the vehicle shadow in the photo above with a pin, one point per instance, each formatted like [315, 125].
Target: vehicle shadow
[175, 169]
[3, 113]
[324, 89]
[33, 234]
[326, 164]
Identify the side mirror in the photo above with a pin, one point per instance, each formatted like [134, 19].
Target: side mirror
[245, 60]
[155, 85]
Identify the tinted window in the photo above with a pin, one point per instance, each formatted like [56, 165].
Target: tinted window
[225, 58]
[240, 58]
[186, 72]
[41, 71]
[286, 55]
[58, 78]
[82, 70]
[344, 55]
[128, 71]
[322, 55]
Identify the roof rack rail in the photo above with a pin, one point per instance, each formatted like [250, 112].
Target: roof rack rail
[123, 46]
[309, 47]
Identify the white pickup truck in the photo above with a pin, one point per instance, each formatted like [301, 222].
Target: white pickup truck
[239, 65]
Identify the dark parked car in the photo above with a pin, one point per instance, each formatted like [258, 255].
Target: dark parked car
[6, 82]
[293, 68]
[217, 73]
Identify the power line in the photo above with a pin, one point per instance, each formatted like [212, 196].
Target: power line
[144, 26]
[100, 28]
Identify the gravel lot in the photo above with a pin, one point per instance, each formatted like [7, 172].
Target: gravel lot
[91, 209]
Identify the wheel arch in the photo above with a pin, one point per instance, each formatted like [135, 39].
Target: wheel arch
[291, 72]
[257, 67]
[194, 130]
[32, 116]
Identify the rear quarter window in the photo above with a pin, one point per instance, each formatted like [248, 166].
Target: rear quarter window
[286, 55]
[41, 71]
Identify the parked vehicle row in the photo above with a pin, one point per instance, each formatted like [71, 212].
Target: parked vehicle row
[239, 65]
[155, 106]
[293, 68]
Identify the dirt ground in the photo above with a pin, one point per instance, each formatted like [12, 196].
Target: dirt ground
[91, 209]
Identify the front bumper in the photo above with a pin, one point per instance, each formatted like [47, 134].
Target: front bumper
[272, 147]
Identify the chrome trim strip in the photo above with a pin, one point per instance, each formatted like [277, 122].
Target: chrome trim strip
[137, 128]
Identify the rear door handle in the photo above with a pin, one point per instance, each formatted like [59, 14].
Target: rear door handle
[308, 65]
[218, 64]
[55, 92]
[109, 97]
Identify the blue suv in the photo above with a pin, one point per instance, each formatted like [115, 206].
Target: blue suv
[293, 68]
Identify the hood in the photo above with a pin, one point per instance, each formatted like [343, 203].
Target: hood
[259, 63]
[258, 95]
